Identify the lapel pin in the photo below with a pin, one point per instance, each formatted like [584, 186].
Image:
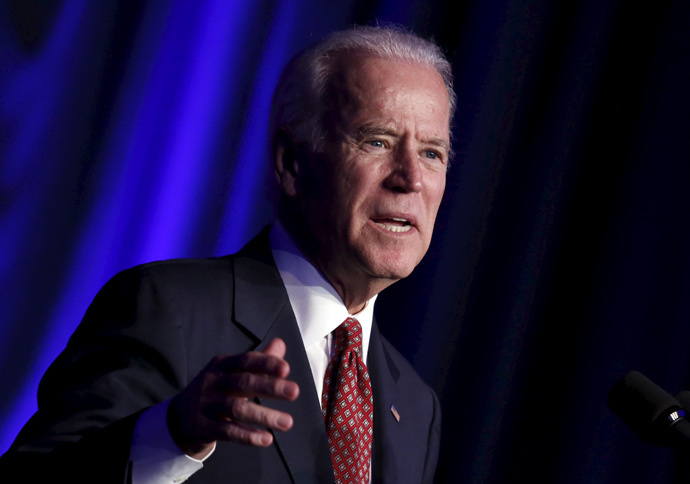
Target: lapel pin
[395, 413]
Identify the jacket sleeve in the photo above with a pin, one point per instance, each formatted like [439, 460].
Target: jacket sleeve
[121, 359]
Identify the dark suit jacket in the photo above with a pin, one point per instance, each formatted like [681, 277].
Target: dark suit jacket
[152, 328]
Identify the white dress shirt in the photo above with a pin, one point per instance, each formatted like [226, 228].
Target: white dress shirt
[318, 309]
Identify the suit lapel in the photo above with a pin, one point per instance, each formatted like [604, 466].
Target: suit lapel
[388, 440]
[263, 309]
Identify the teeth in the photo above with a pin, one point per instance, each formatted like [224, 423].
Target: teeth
[395, 228]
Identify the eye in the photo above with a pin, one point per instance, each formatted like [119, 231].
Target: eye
[377, 143]
[432, 155]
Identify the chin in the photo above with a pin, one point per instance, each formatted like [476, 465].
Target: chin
[393, 267]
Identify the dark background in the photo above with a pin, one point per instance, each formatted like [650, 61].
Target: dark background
[134, 131]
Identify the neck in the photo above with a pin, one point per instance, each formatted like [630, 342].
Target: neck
[355, 296]
[355, 289]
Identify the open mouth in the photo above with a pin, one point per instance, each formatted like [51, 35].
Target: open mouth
[394, 224]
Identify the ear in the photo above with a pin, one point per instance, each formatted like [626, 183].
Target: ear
[285, 163]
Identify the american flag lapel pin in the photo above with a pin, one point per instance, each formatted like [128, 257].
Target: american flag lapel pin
[395, 413]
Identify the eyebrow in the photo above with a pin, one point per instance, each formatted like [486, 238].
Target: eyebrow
[439, 143]
[369, 129]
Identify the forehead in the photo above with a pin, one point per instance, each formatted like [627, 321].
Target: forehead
[364, 86]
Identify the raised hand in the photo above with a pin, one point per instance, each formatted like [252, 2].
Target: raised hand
[218, 404]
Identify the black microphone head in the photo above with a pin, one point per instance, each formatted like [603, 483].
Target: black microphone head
[646, 407]
[684, 399]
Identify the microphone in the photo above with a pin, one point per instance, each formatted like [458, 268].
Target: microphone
[684, 399]
[655, 415]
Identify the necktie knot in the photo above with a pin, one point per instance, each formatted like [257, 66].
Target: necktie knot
[348, 336]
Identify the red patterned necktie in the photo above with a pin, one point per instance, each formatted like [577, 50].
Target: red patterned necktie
[347, 405]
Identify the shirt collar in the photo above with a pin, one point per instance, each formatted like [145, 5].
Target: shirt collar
[317, 305]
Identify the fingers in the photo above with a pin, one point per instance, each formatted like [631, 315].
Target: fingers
[248, 412]
[275, 348]
[219, 403]
[252, 385]
[197, 420]
[256, 374]
[244, 434]
[244, 421]
[269, 362]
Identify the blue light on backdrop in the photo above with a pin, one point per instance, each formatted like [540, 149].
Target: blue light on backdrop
[158, 151]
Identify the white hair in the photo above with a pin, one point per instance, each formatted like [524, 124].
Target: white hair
[299, 103]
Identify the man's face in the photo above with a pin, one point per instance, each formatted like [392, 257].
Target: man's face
[370, 197]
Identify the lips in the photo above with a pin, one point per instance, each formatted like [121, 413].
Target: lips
[394, 224]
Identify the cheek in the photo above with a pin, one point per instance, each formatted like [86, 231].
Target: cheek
[437, 191]
[433, 201]
[354, 191]
[339, 206]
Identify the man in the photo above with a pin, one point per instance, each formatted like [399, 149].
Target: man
[361, 143]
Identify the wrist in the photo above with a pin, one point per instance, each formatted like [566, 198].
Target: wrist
[185, 441]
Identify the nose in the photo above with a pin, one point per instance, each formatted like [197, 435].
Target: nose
[406, 172]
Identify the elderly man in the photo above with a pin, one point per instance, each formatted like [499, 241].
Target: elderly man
[145, 389]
